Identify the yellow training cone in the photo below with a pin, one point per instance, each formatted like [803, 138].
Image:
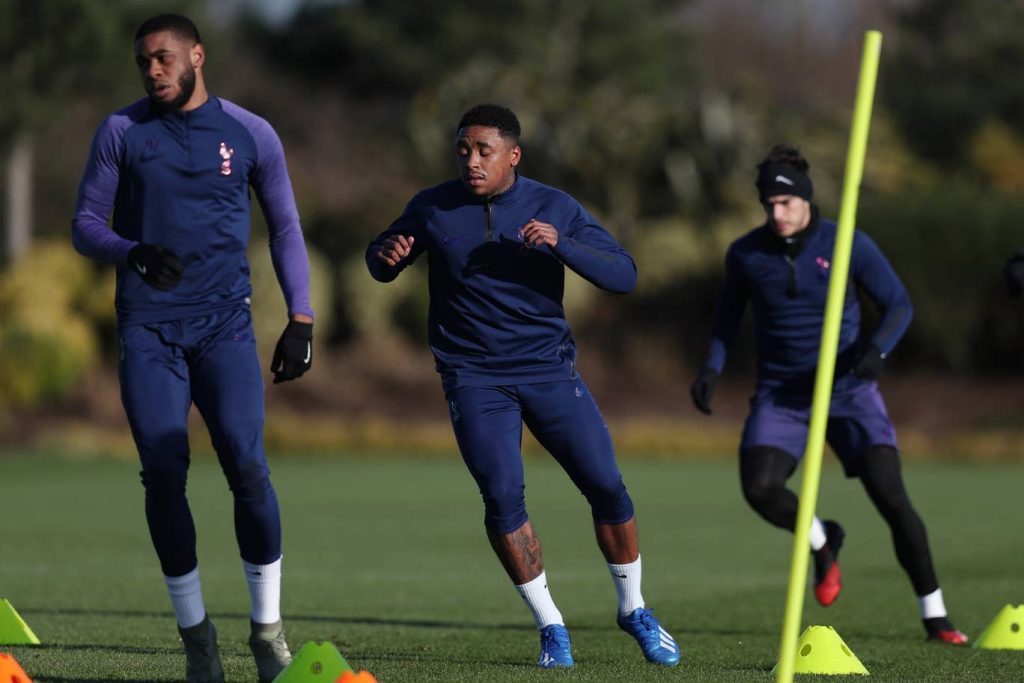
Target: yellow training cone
[1006, 632]
[13, 629]
[820, 650]
[314, 663]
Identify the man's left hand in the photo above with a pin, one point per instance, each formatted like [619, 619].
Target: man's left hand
[293, 355]
[536, 233]
[870, 364]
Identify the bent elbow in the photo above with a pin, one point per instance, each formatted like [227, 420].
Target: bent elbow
[627, 283]
[78, 238]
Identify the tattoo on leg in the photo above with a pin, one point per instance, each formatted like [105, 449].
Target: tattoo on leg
[519, 552]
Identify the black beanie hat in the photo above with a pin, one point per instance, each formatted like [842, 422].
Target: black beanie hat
[775, 179]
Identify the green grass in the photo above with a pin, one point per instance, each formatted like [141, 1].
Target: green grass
[386, 557]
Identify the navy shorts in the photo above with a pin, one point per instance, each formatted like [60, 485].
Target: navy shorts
[857, 420]
[488, 424]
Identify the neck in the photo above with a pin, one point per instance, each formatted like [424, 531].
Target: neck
[504, 188]
[199, 96]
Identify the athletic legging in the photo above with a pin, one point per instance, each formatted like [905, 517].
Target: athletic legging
[763, 474]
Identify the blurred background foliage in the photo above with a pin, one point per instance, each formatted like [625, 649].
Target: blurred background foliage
[652, 112]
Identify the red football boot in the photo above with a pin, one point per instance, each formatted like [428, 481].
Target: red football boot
[942, 631]
[827, 578]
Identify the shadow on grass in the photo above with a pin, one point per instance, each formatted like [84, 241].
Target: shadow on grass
[370, 621]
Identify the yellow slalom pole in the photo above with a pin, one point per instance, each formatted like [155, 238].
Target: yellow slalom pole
[827, 356]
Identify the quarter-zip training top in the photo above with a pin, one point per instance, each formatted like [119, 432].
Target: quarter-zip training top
[788, 293]
[496, 315]
[181, 180]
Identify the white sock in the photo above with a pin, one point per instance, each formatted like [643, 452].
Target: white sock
[538, 599]
[818, 537]
[932, 605]
[626, 578]
[264, 590]
[186, 598]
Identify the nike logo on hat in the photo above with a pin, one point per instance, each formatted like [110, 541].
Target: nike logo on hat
[783, 179]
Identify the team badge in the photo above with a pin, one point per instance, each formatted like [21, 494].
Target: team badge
[225, 154]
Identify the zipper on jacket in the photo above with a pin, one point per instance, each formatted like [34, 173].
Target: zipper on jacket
[490, 229]
[791, 290]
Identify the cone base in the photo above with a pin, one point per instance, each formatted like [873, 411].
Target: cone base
[1006, 632]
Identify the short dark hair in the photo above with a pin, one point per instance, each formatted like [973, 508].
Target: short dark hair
[177, 24]
[786, 154]
[492, 116]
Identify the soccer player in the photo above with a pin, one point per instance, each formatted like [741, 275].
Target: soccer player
[176, 167]
[497, 245]
[782, 268]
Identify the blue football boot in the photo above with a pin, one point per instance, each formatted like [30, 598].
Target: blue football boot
[657, 645]
[555, 648]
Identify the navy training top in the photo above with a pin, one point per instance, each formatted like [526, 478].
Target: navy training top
[788, 296]
[181, 180]
[496, 315]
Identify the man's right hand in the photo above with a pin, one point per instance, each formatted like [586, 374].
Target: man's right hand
[1014, 271]
[395, 249]
[160, 268]
[703, 389]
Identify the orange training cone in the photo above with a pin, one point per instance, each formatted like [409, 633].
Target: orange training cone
[11, 671]
[352, 677]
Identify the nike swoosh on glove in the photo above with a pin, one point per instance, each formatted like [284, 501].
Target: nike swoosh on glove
[293, 355]
[158, 267]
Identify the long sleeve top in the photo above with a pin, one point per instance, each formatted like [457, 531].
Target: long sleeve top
[181, 180]
[496, 315]
[788, 294]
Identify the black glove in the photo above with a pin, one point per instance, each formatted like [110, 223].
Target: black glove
[870, 364]
[703, 388]
[1014, 271]
[160, 268]
[293, 354]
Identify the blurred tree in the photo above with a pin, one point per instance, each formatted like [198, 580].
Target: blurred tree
[967, 57]
[52, 52]
[606, 89]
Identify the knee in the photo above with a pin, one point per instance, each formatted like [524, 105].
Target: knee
[250, 481]
[610, 502]
[758, 492]
[763, 475]
[165, 460]
[881, 476]
[894, 504]
[504, 509]
[166, 477]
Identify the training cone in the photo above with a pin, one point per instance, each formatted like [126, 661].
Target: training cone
[11, 671]
[353, 677]
[1006, 632]
[820, 650]
[13, 629]
[314, 662]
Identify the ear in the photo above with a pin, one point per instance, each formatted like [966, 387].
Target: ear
[517, 154]
[197, 55]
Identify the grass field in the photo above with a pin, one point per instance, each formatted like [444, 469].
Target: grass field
[385, 556]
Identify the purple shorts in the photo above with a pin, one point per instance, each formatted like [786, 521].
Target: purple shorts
[857, 420]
